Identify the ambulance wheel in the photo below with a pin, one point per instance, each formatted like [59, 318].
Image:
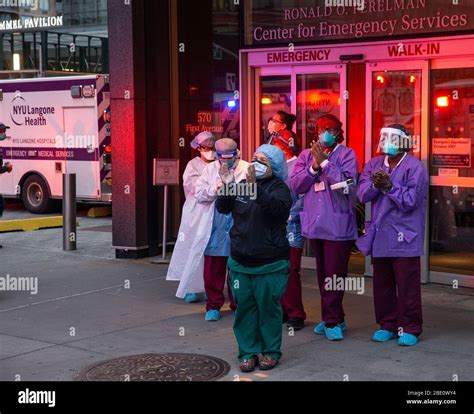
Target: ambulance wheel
[35, 195]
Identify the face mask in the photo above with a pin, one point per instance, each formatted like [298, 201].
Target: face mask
[272, 127]
[3, 137]
[230, 163]
[327, 139]
[390, 149]
[208, 155]
[260, 170]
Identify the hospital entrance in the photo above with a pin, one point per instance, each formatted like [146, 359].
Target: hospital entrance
[424, 84]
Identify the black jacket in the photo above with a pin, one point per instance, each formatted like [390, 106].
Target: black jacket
[258, 236]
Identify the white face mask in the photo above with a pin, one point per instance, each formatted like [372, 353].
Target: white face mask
[272, 127]
[208, 155]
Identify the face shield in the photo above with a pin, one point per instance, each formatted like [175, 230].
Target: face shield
[227, 158]
[392, 141]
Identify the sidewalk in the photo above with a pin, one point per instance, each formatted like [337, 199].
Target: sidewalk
[83, 314]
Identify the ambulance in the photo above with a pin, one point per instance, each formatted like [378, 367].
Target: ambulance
[57, 126]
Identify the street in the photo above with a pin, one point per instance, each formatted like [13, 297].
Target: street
[91, 308]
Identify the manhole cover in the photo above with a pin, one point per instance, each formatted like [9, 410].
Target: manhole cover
[157, 367]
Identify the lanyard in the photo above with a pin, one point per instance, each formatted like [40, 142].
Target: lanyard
[387, 164]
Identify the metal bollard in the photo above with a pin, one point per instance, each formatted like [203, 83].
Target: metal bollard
[69, 213]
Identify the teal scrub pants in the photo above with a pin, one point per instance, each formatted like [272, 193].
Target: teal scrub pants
[258, 319]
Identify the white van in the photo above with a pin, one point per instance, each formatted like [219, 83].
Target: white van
[57, 125]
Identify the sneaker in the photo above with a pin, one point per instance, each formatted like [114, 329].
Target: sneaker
[334, 334]
[213, 316]
[407, 340]
[297, 324]
[266, 363]
[248, 365]
[384, 336]
[191, 298]
[319, 329]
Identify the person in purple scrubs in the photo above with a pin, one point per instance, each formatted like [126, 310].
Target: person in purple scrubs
[396, 184]
[326, 175]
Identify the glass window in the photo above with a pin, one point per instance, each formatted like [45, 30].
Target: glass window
[275, 96]
[318, 94]
[452, 170]
[396, 100]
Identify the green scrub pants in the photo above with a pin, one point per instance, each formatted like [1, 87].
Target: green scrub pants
[258, 320]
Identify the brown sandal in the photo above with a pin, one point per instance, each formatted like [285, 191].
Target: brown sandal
[267, 363]
[249, 365]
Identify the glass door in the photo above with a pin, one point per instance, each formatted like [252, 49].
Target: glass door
[397, 94]
[452, 173]
[306, 91]
[275, 96]
[318, 94]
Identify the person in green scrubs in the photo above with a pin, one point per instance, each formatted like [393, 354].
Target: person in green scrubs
[259, 261]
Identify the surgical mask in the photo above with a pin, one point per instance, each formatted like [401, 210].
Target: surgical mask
[230, 163]
[390, 149]
[261, 170]
[3, 137]
[327, 139]
[272, 127]
[208, 155]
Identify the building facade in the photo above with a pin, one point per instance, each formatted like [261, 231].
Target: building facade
[179, 67]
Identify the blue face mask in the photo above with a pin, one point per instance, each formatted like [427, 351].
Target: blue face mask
[261, 170]
[327, 139]
[390, 149]
[3, 137]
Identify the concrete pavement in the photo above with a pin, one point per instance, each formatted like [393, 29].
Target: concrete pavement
[91, 307]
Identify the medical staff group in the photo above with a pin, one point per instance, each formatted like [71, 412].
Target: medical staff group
[254, 244]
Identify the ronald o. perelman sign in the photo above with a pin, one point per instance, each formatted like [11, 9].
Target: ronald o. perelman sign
[330, 20]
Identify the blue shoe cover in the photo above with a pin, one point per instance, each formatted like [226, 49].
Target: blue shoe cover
[191, 298]
[213, 316]
[408, 340]
[384, 336]
[319, 329]
[334, 334]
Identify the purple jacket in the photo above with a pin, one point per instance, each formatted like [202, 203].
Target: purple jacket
[327, 214]
[397, 228]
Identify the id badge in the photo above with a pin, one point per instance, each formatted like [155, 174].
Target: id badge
[318, 187]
